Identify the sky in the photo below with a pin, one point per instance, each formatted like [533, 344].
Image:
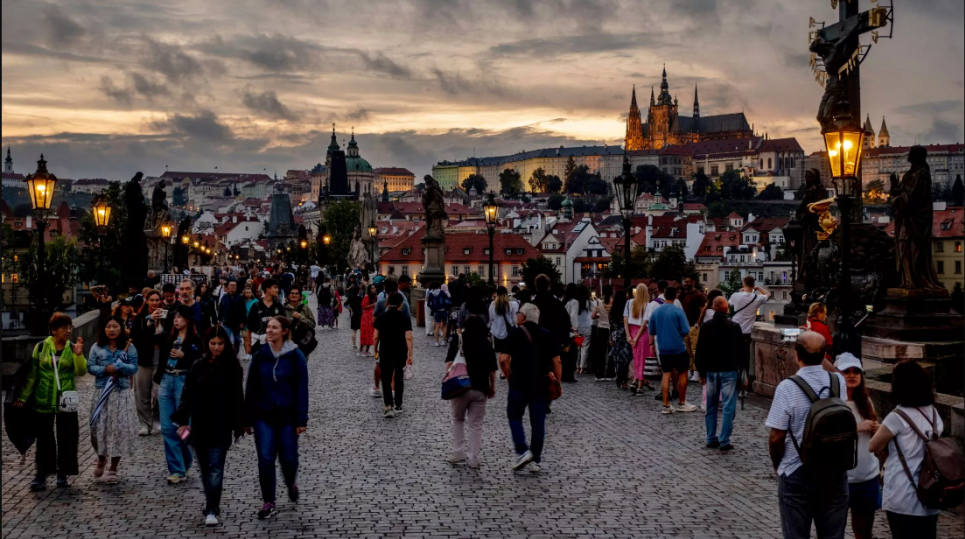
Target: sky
[108, 88]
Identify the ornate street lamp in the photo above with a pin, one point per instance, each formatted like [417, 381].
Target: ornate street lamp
[625, 187]
[326, 239]
[185, 239]
[166, 234]
[844, 146]
[491, 211]
[102, 216]
[41, 185]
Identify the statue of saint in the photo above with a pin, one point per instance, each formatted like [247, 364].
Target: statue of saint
[834, 54]
[434, 205]
[912, 211]
[814, 191]
[159, 198]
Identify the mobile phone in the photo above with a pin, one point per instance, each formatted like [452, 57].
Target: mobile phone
[164, 313]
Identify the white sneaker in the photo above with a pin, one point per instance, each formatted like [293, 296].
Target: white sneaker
[667, 410]
[694, 377]
[456, 458]
[375, 392]
[534, 467]
[686, 407]
[144, 431]
[211, 520]
[388, 413]
[523, 460]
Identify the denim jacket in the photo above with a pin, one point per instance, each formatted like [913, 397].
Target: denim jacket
[124, 361]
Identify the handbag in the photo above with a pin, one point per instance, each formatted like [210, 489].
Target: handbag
[456, 382]
[67, 401]
[554, 389]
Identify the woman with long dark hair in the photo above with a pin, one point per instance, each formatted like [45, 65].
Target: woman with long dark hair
[180, 348]
[113, 361]
[210, 412]
[914, 395]
[147, 332]
[353, 300]
[706, 315]
[600, 347]
[584, 327]
[480, 359]
[621, 354]
[125, 311]
[326, 308]
[865, 494]
[571, 352]
[276, 409]
[368, 317]
[206, 298]
[502, 318]
[54, 365]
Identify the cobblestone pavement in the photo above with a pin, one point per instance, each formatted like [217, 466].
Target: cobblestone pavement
[614, 467]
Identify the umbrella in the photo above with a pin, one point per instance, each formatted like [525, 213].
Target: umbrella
[101, 402]
[18, 422]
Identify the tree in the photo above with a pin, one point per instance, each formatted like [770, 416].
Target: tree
[583, 182]
[672, 265]
[177, 196]
[554, 184]
[701, 184]
[106, 246]
[771, 192]
[475, 182]
[651, 178]
[874, 192]
[341, 218]
[533, 267]
[569, 168]
[735, 186]
[236, 191]
[421, 187]
[732, 284]
[509, 183]
[720, 208]
[474, 280]
[680, 186]
[60, 263]
[227, 192]
[958, 192]
[537, 182]
[555, 202]
[641, 263]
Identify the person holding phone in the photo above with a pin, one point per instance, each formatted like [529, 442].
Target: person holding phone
[276, 409]
[211, 410]
[181, 348]
[54, 365]
[113, 361]
[147, 332]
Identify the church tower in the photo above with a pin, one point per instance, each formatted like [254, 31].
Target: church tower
[663, 116]
[8, 163]
[634, 139]
[884, 139]
[696, 111]
[869, 134]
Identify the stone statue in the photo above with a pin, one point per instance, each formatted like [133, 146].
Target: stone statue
[814, 191]
[369, 214]
[159, 214]
[912, 212]
[434, 205]
[358, 255]
[159, 198]
[835, 54]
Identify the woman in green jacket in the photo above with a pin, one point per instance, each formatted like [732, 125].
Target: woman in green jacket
[55, 363]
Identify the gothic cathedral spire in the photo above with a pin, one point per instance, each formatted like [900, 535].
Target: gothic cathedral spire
[884, 139]
[634, 136]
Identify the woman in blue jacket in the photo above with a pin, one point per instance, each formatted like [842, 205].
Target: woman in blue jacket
[276, 409]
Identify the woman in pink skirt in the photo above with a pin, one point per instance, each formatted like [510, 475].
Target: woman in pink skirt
[637, 334]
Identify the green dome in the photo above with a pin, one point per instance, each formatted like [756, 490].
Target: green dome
[357, 164]
[567, 203]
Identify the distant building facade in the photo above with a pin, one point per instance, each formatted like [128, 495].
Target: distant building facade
[397, 179]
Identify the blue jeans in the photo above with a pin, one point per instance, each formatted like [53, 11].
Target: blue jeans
[516, 405]
[176, 452]
[234, 337]
[721, 386]
[273, 441]
[820, 497]
[211, 460]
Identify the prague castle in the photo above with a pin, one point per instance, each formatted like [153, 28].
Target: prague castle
[665, 127]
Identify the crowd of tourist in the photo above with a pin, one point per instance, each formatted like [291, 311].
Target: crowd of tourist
[170, 358]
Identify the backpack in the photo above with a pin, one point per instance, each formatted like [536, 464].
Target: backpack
[830, 431]
[940, 481]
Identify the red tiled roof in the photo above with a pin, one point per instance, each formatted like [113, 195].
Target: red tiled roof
[947, 223]
[715, 243]
[780, 145]
[766, 224]
[410, 250]
[734, 215]
[12, 176]
[690, 206]
[672, 232]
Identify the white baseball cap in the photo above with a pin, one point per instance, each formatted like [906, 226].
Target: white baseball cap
[848, 361]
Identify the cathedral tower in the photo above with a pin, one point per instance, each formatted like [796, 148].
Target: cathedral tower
[869, 134]
[662, 117]
[884, 139]
[8, 163]
[634, 138]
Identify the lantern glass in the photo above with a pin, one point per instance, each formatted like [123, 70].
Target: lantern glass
[327, 239]
[373, 231]
[102, 213]
[304, 244]
[185, 239]
[491, 210]
[166, 231]
[41, 192]
[844, 151]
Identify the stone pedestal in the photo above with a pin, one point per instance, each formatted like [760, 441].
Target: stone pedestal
[435, 248]
[916, 316]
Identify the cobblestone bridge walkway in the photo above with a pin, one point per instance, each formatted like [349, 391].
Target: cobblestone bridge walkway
[614, 467]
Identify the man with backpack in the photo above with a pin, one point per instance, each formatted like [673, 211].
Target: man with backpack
[813, 444]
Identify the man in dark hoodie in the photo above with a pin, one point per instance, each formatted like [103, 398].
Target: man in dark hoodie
[553, 318]
[717, 357]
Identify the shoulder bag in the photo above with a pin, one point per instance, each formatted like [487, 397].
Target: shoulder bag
[554, 389]
[456, 381]
[67, 401]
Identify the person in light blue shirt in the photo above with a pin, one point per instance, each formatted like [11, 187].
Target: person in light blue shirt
[667, 327]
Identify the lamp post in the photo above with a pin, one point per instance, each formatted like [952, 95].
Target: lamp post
[166, 234]
[304, 250]
[102, 216]
[41, 185]
[491, 211]
[373, 241]
[625, 186]
[844, 145]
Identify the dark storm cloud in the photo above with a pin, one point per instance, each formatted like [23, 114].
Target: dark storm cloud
[62, 31]
[942, 131]
[147, 87]
[358, 115]
[454, 83]
[170, 60]
[381, 63]
[267, 104]
[276, 52]
[120, 95]
[204, 125]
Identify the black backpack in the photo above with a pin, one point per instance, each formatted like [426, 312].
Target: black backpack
[830, 439]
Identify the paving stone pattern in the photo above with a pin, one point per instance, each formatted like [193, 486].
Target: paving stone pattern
[613, 467]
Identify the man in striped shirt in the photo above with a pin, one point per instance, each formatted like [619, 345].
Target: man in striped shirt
[805, 495]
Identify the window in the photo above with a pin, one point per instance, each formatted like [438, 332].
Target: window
[405, 270]
[941, 267]
[486, 251]
[958, 267]
[729, 166]
[515, 271]
[958, 246]
[726, 275]
[769, 163]
[519, 251]
[704, 277]
[939, 247]
[558, 261]
[784, 294]
[466, 251]
[509, 251]
[466, 270]
[481, 270]
[714, 171]
[406, 251]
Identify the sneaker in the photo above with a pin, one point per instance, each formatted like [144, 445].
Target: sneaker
[293, 493]
[174, 479]
[38, 484]
[388, 413]
[727, 447]
[523, 460]
[534, 467]
[212, 520]
[599, 380]
[703, 409]
[694, 377]
[267, 511]
[686, 407]
[474, 464]
[375, 392]
[633, 390]
[713, 445]
[398, 410]
[456, 458]
[144, 431]
[62, 481]
[667, 410]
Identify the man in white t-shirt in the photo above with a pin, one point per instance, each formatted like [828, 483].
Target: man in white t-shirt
[805, 495]
[746, 303]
